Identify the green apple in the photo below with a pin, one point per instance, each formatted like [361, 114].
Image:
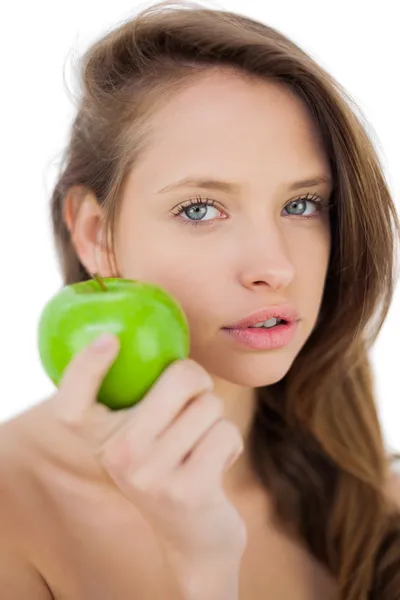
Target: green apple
[150, 324]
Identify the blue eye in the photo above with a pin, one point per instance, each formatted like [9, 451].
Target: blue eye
[196, 209]
[300, 206]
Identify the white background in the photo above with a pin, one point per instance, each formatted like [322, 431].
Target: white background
[356, 40]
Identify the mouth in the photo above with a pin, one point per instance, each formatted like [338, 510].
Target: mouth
[271, 335]
[267, 318]
[272, 323]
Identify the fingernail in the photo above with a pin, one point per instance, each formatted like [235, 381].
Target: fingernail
[104, 342]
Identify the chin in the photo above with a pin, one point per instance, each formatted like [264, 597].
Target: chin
[252, 370]
[255, 378]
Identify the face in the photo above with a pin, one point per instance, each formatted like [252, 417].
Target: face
[227, 251]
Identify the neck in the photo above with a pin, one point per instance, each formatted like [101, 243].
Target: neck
[240, 406]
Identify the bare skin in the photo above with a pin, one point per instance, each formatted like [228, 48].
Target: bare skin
[70, 533]
[79, 538]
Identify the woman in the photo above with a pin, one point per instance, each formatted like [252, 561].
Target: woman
[212, 156]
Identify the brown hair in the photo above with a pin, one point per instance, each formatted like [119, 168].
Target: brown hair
[316, 441]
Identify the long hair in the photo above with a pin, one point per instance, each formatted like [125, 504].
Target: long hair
[316, 442]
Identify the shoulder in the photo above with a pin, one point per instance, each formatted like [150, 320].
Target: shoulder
[46, 479]
[17, 574]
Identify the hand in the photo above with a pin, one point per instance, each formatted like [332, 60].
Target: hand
[168, 455]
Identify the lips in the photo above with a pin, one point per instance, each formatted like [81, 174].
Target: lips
[285, 312]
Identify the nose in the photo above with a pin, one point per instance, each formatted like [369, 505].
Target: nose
[264, 261]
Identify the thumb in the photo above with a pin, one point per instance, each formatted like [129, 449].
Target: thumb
[84, 375]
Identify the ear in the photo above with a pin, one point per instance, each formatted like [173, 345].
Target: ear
[84, 219]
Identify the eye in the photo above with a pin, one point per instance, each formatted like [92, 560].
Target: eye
[197, 210]
[299, 206]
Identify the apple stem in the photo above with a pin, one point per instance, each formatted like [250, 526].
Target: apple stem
[100, 281]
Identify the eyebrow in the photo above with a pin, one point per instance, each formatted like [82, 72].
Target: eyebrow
[231, 187]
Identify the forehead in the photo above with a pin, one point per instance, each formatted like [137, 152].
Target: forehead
[234, 123]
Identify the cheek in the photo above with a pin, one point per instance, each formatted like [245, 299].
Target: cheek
[311, 260]
[191, 278]
[310, 249]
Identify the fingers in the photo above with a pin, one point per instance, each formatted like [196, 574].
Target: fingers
[172, 447]
[190, 457]
[191, 483]
[176, 387]
[83, 377]
[212, 456]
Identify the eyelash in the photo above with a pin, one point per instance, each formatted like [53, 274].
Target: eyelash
[322, 204]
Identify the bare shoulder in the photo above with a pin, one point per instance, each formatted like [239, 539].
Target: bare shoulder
[48, 480]
[17, 574]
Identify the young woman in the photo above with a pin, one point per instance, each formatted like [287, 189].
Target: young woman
[210, 155]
